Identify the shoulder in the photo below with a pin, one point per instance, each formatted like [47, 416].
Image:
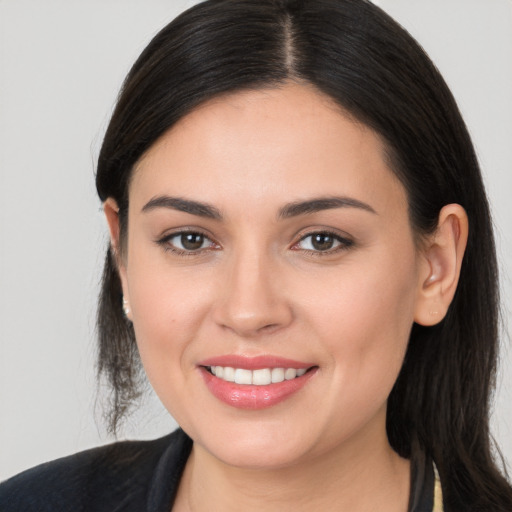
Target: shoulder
[113, 477]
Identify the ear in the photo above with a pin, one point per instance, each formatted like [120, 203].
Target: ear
[441, 263]
[111, 210]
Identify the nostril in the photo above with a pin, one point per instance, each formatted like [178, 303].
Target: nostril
[270, 327]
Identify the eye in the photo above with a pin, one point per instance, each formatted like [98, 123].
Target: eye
[187, 242]
[323, 241]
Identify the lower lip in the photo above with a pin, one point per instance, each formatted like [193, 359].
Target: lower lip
[254, 397]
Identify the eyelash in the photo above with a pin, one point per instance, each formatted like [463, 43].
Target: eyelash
[165, 242]
[343, 243]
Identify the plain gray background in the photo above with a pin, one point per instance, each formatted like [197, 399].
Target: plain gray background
[61, 65]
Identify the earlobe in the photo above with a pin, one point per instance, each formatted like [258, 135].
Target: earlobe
[442, 261]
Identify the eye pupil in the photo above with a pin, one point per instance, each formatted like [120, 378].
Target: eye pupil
[192, 241]
[322, 241]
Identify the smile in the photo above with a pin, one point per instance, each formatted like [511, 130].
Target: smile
[253, 383]
[260, 377]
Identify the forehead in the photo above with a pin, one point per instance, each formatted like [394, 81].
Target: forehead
[290, 141]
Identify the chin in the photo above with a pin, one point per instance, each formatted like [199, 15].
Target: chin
[257, 446]
[258, 457]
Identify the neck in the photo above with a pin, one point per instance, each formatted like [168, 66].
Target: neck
[356, 477]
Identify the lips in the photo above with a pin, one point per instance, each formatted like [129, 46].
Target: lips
[257, 382]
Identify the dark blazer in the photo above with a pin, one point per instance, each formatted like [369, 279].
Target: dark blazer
[136, 476]
[129, 476]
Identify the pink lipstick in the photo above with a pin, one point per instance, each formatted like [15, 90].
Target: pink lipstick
[254, 382]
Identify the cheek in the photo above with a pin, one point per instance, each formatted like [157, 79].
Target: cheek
[167, 316]
[168, 308]
[372, 308]
[365, 322]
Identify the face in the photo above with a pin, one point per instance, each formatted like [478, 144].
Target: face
[269, 244]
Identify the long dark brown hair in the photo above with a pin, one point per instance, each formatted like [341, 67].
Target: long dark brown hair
[355, 53]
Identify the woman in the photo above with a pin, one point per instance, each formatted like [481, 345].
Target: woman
[301, 254]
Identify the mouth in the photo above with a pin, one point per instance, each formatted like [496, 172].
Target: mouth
[259, 377]
[255, 383]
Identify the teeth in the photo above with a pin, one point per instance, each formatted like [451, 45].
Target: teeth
[290, 373]
[261, 377]
[277, 375]
[242, 376]
[229, 374]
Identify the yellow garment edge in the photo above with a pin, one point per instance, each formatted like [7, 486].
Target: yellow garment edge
[438, 493]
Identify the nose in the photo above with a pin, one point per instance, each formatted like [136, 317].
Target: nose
[252, 299]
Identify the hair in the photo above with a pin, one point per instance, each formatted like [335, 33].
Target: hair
[353, 52]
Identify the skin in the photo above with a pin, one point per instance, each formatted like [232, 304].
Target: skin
[257, 286]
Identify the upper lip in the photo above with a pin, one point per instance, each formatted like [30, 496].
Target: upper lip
[254, 363]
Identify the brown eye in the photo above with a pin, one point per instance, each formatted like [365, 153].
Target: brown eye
[192, 241]
[323, 242]
[187, 242]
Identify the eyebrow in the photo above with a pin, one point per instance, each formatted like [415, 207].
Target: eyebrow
[183, 205]
[322, 203]
[287, 211]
